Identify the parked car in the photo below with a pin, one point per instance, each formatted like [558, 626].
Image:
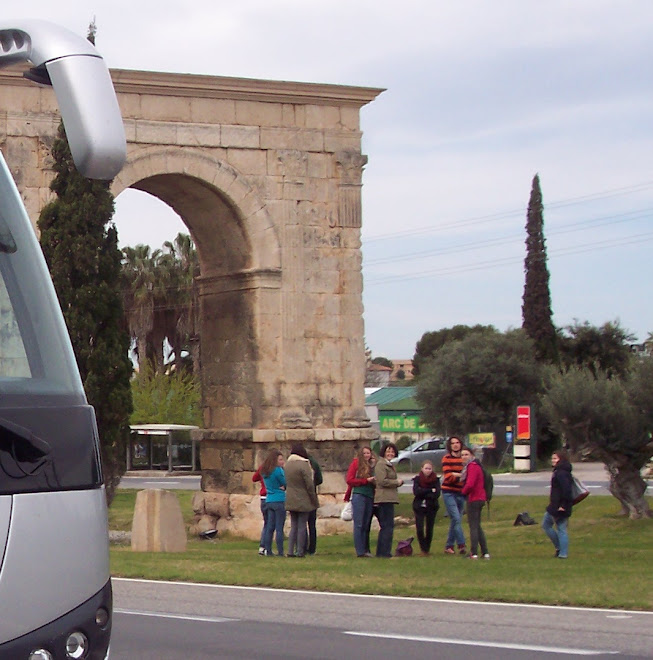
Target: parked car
[432, 449]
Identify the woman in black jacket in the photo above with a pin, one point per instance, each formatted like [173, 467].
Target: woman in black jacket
[559, 509]
[426, 489]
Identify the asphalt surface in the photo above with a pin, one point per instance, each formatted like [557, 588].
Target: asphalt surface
[171, 620]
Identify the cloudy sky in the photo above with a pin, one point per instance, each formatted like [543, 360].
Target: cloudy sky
[480, 97]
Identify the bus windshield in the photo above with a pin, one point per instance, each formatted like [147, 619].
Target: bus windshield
[35, 353]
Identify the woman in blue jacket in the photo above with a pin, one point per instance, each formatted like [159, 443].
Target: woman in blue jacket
[274, 479]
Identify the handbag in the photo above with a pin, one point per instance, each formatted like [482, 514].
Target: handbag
[578, 490]
[405, 548]
[347, 512]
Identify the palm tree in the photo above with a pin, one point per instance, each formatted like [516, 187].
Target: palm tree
[139, 283]
[162, 302]
[181, 264]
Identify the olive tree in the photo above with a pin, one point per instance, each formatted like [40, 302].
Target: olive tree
[477, 381]
[610, 418]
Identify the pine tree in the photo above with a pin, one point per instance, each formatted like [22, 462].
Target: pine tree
[536, 302]
[80, 244]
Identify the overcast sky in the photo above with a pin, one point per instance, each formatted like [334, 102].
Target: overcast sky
[480, 96]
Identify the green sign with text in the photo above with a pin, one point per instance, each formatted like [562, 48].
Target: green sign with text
[402, 423]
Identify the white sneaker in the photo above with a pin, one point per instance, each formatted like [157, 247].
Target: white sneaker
[486, 556]
[261, 550]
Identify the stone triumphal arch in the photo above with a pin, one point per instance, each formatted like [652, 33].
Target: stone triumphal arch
[267, 177]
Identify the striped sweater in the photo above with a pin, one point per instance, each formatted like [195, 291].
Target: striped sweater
[451, 464]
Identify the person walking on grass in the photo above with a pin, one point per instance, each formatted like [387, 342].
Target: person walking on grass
[274, 479]
[301, 498]
[426, 489]
[360, 479]
[385, 497]
[454, 500]
[560, 503]
[474, 490]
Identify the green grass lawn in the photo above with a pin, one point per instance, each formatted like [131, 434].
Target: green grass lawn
[609, 564]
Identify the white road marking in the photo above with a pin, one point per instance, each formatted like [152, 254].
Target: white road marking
[496, 485]
[493, 645]
[412, 599]
[183, 617]
[159, 483]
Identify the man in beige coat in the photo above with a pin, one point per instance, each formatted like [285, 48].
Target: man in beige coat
[301, 498]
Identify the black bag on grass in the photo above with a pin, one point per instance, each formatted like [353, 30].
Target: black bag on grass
[523, 519]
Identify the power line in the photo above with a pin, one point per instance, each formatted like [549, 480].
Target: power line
[571, 201]
[504, 261]
[601, 221]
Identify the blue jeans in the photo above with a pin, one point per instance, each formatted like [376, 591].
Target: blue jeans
[362, 510]
[560, 538]
[264, 509]
[455, 505]
[297, 536]
[276, 517]
[386, 515]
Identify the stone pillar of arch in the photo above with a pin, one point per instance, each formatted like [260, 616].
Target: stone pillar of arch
[267, 177]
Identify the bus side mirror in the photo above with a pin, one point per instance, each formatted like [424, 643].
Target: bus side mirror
[83, 87]
[90, 114]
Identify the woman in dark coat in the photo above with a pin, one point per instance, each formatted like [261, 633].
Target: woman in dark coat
[559, 509]
[426, 489]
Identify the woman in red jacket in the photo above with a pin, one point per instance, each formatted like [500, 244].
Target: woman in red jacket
[257, 476]
[360, 479]
[474, 491]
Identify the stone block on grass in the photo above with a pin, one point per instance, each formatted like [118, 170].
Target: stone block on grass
[158, 525]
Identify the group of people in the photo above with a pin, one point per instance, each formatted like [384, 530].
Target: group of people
[289, 486]
[373, 487]
[463, 487]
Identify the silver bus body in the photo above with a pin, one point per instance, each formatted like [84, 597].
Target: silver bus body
[55, 586]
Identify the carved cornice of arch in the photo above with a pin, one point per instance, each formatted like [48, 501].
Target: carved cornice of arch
[249, 89]
[230, 184]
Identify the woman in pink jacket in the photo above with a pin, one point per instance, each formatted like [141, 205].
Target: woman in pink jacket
[474, 491]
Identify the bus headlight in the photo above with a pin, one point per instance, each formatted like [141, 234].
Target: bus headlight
[102, 617]
[40, 654]
[76, 645]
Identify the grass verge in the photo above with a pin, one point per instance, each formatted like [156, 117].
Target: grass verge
[608, 566]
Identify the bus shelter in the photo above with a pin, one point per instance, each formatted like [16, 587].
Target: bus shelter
[162, 447]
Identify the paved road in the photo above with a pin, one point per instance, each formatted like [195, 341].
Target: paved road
[172, 482]
[171, 620]
[535, 483]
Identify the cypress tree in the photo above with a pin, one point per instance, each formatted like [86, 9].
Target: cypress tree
[80, 244]
[536, 301]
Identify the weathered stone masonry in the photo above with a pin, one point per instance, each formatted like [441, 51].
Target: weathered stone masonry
[267, 177]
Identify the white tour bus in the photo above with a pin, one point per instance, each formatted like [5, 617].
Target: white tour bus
[55, 588]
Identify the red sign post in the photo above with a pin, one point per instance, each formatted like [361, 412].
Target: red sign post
[523, 422]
